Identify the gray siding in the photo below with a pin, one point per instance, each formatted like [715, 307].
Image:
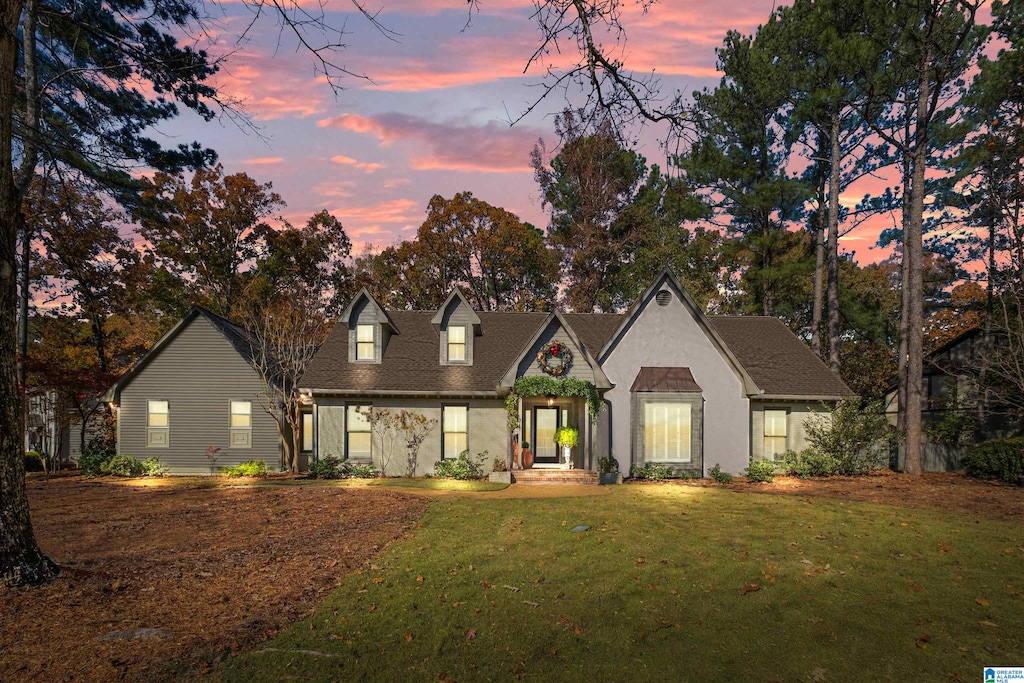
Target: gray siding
[458, 313]
[671, 336]
[579, 369]
[487, 430]
[796, 432]
[198, 373]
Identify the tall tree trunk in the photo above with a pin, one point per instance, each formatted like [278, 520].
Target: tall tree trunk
[819, 260]
[986, 339]
[834, 357]
[901, 367]
[21, 561]
[915, 284]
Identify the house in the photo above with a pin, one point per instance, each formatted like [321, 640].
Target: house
[949, 389]
[196, 389]
[666, 382]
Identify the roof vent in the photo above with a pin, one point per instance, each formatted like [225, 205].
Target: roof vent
[663, 297]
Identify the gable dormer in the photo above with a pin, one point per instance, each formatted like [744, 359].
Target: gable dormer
[369, 328]
[457, 325]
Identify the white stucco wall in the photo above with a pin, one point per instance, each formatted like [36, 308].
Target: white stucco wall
[671, 336]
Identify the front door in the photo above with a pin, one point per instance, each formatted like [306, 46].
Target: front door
[546, 422]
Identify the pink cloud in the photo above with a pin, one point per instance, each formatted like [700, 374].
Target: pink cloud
[271, 87]
[263, 161]
[361, 165]
[453, 145]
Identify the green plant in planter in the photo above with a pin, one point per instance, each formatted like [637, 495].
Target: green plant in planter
[567, 437]
[607, 464]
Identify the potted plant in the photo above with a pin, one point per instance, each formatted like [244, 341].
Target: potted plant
[527, 456]
[567, 438]
[500, 472]
[609, 468]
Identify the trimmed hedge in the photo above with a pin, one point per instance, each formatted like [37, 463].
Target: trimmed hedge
[249, 468]
[1001, 459]
[122, 466]
[761, 471]
[651, 471]
[33, 462]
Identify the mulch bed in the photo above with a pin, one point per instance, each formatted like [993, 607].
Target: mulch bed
[950, 491]
[217, 569]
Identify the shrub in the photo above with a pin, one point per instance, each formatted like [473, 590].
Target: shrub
[249, 468]
[327, 467]
[1001, 459]
[500, 465]
[607, 464]
[718, 475]
[852, 437]
[462, 467]
[808, 463]
[33, 462]
[761, 471]
[651, 471]
[152, 467]
[567, 436]
[359, 471]
[122, 466]
[95, 457]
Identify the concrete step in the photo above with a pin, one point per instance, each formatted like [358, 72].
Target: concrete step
[544, 476]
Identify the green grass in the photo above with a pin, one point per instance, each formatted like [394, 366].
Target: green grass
[494, 589]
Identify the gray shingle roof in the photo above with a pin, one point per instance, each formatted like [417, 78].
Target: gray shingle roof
[667, 380]
[775, 358]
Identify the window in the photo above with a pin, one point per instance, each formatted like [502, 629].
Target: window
[457, 344]
[158, 424]
[307, 432]
[454, 431]
[364, 342]
[241, 424]
[774, 433]
[667, 431]
[357, 431]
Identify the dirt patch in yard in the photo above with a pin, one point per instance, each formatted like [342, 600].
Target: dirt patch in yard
[159, 581]
[950, 491]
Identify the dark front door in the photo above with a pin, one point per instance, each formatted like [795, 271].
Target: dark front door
[546, 422]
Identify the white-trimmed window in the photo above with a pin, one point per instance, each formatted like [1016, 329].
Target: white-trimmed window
[158, 424]
[307, 432]
[774, 433]
[454, 431]
[457, 344]
[667, 429]
[365, 342]
[357, 433]
[240, 423]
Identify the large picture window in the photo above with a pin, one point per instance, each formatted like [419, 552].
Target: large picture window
[364, 342]
[454, 431]
[241, 424]
[457, 344]
[774, 433]
[667, 429]
[158, 424]
[357, 433]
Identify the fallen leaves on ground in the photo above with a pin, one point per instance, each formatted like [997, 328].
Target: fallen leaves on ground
[220, 568]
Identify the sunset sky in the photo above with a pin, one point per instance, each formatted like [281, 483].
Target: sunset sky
[434, 118]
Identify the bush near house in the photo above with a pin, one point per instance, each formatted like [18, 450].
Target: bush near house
[122, 466]
[95, 456]
[761, 471]
[1001, 459]
[851, 436]
[33, 461]
[607, 464]
[333, 467]
[249, 468]
[808, 463]
[651, 471]
[152, 467]
[718, 475]
[462, 468]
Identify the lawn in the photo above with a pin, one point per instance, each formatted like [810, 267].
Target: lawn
[671, 582]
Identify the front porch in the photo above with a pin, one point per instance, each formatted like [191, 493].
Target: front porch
[533, 446]
[556, 476]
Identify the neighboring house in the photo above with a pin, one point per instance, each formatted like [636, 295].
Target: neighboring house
[949, 387]
[676, 386]
[196, 388]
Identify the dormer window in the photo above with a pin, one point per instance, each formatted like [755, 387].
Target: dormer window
[364, 342]
[457, 344]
